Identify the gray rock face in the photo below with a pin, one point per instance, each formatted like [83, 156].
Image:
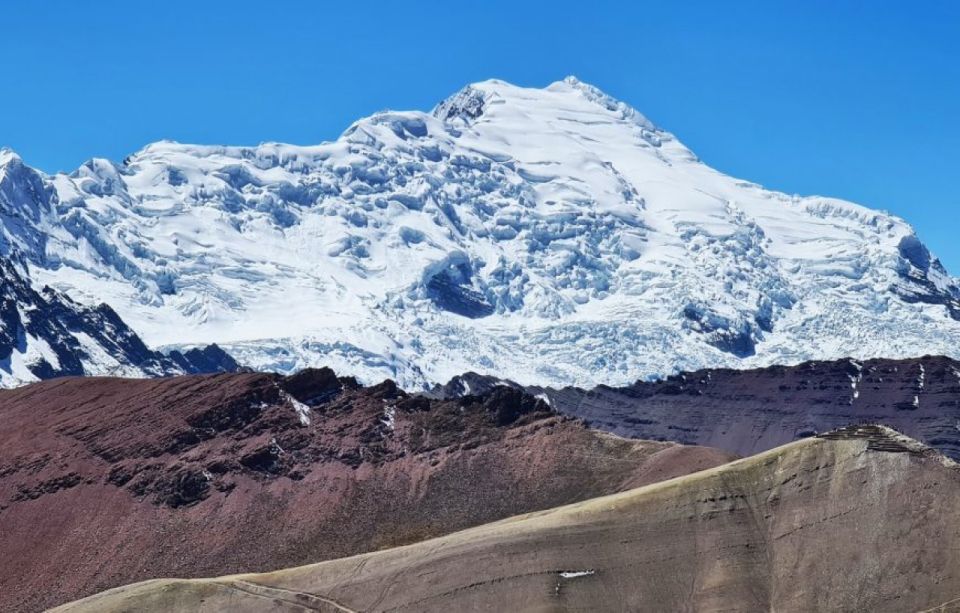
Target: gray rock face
[44, 334]
[749, 411]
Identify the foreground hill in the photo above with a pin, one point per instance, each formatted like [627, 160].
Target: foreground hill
[506, 223]
[749, 411]
[862, 519]
[108, 481]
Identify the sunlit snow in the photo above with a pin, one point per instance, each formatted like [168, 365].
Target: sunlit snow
[550, 236]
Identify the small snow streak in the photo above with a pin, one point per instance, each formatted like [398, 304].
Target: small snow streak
[302, 410]
[855, 380]
[573, 574]
[389, 417]
[921, 382]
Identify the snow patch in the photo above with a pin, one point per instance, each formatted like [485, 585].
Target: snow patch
[573, 574]
[302, 410]
[855, 380]
[389, 417]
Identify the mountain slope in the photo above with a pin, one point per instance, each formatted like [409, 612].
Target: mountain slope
[507, 224]
[45, 334]
[749, 411]
[107, 481]
[859, 520]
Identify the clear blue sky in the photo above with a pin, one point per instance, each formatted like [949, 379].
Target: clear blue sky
[852, 99]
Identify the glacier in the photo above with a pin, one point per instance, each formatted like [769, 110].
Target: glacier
[553, 236]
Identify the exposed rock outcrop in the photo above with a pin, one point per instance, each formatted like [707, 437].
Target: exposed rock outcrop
[44, 334]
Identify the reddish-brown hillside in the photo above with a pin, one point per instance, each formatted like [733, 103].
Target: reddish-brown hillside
[108, 481]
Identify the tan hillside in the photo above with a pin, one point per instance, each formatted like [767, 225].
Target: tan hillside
[860, 520]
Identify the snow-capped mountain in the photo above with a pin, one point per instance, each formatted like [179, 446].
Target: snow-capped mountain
[551, 236]
[44, 334]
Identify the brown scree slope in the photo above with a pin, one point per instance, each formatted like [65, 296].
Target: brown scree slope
[859, 520]
[105, 481]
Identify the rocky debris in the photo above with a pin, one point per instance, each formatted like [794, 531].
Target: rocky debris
[182, 488]
[881, 438]
[125, 479]
[48, 486]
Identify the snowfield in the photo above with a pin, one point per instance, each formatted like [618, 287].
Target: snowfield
[551, 236]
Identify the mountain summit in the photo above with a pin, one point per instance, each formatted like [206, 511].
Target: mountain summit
[551, 235]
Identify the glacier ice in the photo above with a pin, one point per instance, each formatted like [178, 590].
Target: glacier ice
[552, 236]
